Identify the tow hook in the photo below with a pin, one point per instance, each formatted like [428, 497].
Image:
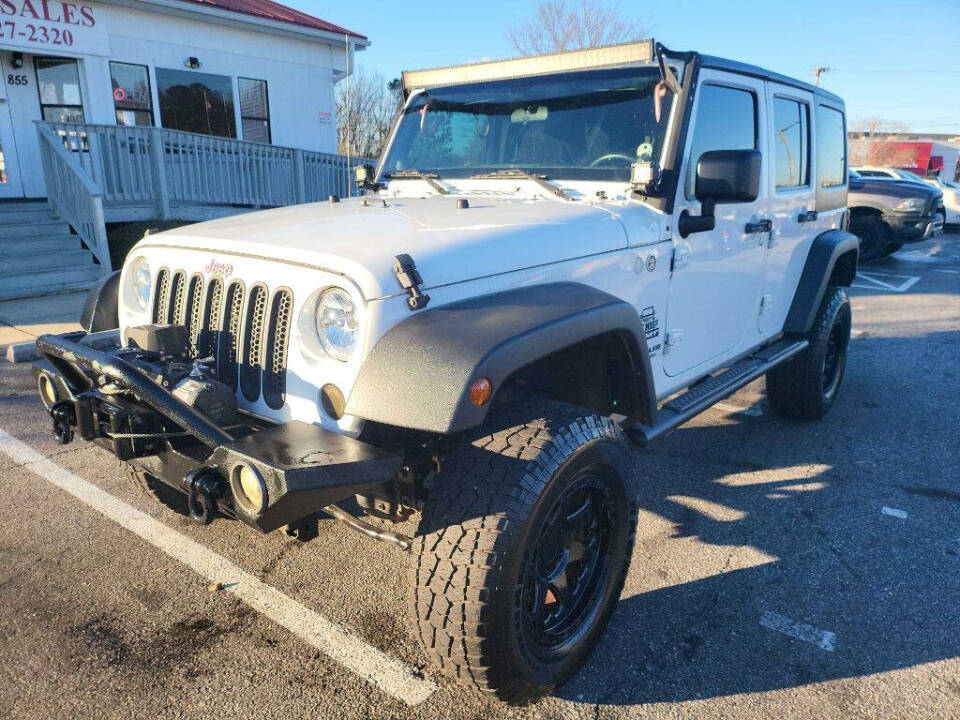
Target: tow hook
[64, 416]
[203, 489]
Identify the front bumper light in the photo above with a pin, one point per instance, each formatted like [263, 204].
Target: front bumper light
[911, 205]
[337, 323]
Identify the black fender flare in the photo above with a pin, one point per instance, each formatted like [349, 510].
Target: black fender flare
[419, 373]
[100, 310]
[832, 260]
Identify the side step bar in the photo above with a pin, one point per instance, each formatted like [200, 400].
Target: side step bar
[713, 389]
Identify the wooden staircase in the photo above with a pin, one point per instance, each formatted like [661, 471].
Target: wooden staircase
[40, 255]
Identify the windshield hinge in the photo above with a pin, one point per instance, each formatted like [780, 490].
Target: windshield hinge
[409, 278]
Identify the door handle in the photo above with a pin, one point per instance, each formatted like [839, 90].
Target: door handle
[761, 226]
[808, 216]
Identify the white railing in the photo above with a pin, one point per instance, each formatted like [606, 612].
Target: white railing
[146, 165]
[73, 195]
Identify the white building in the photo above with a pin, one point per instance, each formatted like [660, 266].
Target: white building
[252, 70]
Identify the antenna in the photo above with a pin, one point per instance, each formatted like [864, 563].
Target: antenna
[346, 43]
[818, 71]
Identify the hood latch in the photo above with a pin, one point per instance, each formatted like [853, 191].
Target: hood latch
[409, 278]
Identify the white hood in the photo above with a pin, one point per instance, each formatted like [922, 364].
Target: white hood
[449, 245]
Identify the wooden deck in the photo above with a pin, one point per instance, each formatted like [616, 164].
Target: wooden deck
[97, 174]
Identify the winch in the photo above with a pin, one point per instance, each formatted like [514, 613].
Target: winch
[164, 353]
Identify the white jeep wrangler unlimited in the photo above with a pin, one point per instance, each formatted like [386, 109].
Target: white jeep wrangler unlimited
[556, 255]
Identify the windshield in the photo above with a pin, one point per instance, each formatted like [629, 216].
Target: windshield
[907, 175]
[583, 125]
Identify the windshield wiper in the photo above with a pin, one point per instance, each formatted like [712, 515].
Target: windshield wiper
[540, 180]
[429, 178]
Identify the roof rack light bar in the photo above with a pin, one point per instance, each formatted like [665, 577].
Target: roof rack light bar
[609, 56]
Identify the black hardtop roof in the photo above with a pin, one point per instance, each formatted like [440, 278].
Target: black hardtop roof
[718, 63]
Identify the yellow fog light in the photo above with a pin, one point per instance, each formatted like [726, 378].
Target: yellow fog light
[48, 389]
[249, 490]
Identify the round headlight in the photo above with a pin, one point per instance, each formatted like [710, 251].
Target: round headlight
[337, 324]
[140, 274]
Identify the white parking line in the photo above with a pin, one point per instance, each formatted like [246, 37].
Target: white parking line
[389, 674]
[884, 281]
[894, 512]
[823, 639]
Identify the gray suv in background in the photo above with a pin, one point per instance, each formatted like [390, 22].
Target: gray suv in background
[887, 213]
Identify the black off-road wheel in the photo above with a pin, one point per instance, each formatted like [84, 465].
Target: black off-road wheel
[806, 387]
[523, 548]
[156, 489]
[874, 236]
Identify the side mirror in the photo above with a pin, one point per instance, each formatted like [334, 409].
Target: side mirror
[728, 176]
[723, 176]
[363, 174]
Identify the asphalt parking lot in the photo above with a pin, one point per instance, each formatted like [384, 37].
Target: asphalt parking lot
[781, 569]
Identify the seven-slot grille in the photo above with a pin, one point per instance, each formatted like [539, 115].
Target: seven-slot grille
[245, 329]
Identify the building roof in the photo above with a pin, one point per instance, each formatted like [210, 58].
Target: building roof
[270, 10]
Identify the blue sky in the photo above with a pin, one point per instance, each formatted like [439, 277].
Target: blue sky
[895, 60]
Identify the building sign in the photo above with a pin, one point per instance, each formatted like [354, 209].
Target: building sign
[56, 26]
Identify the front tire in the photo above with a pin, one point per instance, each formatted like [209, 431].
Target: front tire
[892, 248]
[805, 387]
[523, 548]
[874, 236]
[155, 489]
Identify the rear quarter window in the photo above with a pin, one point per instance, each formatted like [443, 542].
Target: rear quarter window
[831, 147]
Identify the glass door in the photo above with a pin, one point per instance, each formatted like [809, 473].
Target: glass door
[10, 186]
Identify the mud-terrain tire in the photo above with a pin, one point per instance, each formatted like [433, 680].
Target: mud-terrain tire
[542, 492]
[874, 236]
[156, 489]
[805, 387]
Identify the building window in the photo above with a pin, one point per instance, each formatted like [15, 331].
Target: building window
[254, 110]
[831, 147]
[58, 82]
[792, 159]
[131, 94]
[726, 120]
[196, 102]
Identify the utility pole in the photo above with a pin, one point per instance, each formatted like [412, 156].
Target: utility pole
[818, 71]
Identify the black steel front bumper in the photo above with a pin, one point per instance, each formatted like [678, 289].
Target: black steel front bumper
[109, 401]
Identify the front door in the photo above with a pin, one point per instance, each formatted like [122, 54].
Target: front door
[717, 276]
[10, 183]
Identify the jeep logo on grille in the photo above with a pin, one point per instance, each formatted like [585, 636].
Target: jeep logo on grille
[217, 268]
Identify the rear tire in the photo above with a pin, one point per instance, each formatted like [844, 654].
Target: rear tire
[156, 489]
[873, 234]
[523, 548]
[805, 387]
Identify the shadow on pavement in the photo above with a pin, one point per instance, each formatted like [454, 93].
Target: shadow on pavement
[888, 588]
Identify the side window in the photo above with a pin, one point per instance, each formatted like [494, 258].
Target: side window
[726, 120]
[791, 120]
[831, 147]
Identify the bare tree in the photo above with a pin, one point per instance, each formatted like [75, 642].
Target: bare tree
[366, 107]
[872, 142]
[562, 25]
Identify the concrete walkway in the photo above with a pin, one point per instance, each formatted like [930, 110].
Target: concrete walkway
[23, 320]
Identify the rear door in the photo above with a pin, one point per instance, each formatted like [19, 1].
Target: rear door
[792, 200]
[717, 275]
